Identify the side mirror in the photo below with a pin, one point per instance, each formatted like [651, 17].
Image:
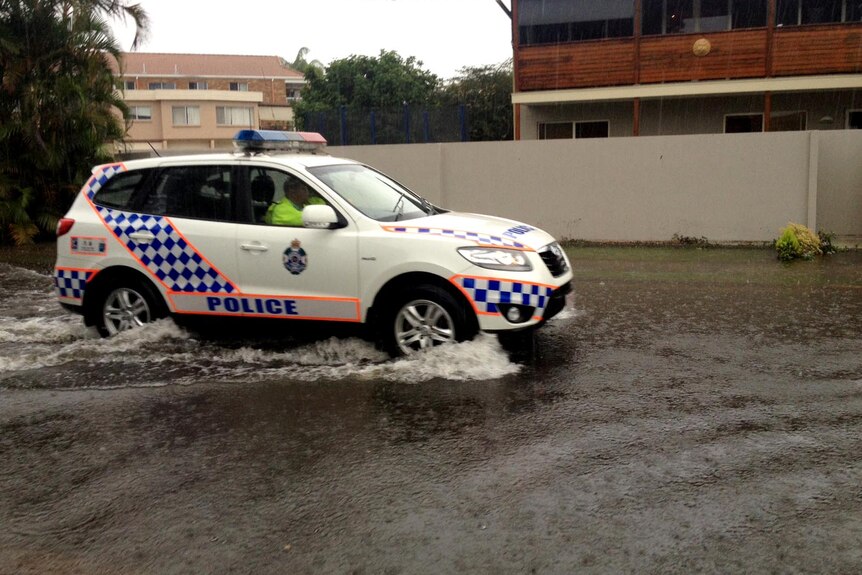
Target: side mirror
[320, 217]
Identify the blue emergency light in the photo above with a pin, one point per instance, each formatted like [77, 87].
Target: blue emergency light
[265, 140]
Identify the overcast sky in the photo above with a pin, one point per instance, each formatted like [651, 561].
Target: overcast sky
[444, 34]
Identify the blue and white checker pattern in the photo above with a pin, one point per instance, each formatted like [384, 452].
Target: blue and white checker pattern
[481, 239]
[99, 178]
[70, 284]
[487, 293]
[169, 257]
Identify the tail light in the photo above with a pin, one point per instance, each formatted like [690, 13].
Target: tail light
[64, 225]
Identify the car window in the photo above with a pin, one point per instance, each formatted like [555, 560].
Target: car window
[272, 201]
[120, 191]
[372, 193]
[200, 192]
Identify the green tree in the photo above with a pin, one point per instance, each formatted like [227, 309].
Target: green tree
[57, 102]
[486, 91]
[366, 82]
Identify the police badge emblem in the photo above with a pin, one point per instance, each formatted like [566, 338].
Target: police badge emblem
[294, 258]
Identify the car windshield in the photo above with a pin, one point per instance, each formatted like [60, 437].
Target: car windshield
[372, 193]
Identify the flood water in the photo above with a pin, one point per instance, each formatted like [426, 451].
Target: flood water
[694, 411]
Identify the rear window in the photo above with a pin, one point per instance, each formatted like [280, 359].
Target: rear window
[120, 191]
[199, 192]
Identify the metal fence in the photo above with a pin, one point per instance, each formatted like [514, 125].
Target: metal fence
[408, 125]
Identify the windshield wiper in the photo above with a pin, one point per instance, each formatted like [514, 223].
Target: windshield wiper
[399, 207]
[427, 206]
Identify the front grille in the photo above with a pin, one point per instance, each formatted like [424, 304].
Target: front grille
[553, 257]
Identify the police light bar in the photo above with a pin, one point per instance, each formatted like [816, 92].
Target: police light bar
[261, 140]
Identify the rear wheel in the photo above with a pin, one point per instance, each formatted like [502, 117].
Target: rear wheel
[127, 306]
[425, 317]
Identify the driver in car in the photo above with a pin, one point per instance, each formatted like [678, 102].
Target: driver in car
[288, 211]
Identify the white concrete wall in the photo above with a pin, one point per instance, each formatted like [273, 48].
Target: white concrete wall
[839, 190]
[727, 188]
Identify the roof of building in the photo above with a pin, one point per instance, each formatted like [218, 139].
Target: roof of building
[206, 66]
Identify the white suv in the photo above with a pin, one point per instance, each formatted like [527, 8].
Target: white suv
[198, 235]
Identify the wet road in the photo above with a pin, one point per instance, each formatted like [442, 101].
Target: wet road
[697, 411]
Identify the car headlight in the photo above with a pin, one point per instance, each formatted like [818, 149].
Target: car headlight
[497, 259]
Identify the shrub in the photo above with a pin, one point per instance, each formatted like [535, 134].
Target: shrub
[826, 243]
[797, 241]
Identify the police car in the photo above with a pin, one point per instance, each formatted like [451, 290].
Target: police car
[193, 235]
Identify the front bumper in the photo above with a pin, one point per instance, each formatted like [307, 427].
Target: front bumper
[557, 301]
[553, 304]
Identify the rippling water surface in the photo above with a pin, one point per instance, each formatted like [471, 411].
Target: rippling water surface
[42, 345]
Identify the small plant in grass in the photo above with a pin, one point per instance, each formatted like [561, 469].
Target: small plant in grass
[797, 242]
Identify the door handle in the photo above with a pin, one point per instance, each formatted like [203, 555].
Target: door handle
[142, 237]
[254, 247]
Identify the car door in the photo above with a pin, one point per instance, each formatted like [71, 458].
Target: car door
[292, 272]
[186, 233]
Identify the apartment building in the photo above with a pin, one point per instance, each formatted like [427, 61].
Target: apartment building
[188, 102]
[586, 69]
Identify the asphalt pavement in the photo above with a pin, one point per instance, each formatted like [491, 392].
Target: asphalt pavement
[695, 411]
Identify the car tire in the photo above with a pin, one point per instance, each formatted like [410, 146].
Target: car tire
[127, 305]
[424, 317]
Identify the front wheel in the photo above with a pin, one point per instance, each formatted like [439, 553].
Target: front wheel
[126, 307]
[426, 317]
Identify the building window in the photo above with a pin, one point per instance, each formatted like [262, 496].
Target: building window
[714, 16]
[569, 130]
[293, 94]
[747, 14]
[239, 86]
[162, 86]
[854, 120]
[140, 113]
[234, 116]
[197, 85]
[796, 12]
[698, 16]
[556, 21]
[595, 129]
[740, 123]
[788, 121]
[186, 115]
[128, 84]
[556, 131]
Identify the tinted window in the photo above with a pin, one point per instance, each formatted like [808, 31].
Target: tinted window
[201, 192]
[598, 129]
[743, 123]
[821, 11]
[748, 13]
[556, 131]
[792, 12]
[119, 191]
[688, 16]
[553, 21]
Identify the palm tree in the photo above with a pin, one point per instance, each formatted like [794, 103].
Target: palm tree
[57, 104]
[300, 64]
